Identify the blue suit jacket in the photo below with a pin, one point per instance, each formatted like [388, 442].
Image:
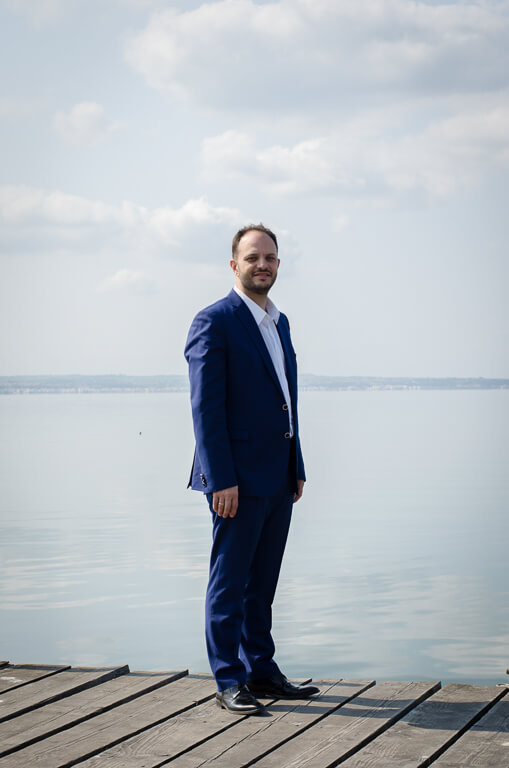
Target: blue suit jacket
[239, 413]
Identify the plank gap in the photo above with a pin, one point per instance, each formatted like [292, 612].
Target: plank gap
[108, 674]
[385, 727]
[369, 685]
[227, 727]
[461, 732]
[121, 739]
[52, 670]
[99, 711]
[236, 719]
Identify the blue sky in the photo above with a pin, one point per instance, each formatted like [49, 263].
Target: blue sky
[137, 136]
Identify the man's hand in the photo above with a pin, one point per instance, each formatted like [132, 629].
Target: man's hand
[300, 490]
[225, 502]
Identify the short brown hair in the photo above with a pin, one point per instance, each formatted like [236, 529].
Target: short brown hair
[249, 228]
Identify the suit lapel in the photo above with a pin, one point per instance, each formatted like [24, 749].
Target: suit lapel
[284, 335]
[247, 319]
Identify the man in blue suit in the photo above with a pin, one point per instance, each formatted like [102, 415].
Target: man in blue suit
[248, 461]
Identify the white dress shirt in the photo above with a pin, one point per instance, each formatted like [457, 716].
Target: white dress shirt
[267, 322]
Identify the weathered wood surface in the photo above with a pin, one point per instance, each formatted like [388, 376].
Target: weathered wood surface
[109, 728]
[168, 740]
[429, 729]
[112, 718]
[43, 691]
[15, 675]
[350, 727]
[485, 745]
[38, 724]
[285, 720]
[209, 732]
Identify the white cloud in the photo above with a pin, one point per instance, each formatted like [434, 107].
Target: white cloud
[286, 170]
[361, 159]
[231, 153]
[21, 204]
[85, 123]
[306, 54]
[339, 222]
[34, 217]
[129, 280]
[173, 225]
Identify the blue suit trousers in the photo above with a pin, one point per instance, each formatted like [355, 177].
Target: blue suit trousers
[246, 556]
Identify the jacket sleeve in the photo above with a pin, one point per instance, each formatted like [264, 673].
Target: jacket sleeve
[301, 472]
[206, 355]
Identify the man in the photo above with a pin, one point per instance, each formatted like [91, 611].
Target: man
[248, 461]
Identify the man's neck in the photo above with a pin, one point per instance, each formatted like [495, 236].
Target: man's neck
[259, 298]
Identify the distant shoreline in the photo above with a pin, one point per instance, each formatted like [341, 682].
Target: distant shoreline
[82, 384]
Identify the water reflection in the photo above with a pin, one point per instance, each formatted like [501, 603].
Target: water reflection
[395, 566]
[408, 625]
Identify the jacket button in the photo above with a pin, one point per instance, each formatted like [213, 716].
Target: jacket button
[285, 407]
[287, 435]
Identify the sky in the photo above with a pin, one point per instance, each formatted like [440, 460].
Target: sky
[137, 136]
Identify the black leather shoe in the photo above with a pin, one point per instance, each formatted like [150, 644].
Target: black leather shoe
[280, 687]
[239, 701]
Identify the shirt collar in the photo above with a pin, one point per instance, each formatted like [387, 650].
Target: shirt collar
[258, 313]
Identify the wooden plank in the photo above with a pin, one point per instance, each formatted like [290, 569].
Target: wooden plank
[417, 739]
[207, 731]
[485, 745]
[348, 728]
[64, 713]
[17, 701]
[285, 720]
[182, 733]
[15, 675]
[96, 734]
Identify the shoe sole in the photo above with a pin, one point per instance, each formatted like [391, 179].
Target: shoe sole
[221, 704]
[290, 696]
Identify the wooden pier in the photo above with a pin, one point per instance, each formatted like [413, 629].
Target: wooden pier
[58, 716]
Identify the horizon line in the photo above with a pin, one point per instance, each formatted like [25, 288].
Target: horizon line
[184, 375]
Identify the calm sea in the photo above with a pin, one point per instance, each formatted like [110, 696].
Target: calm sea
[396, 566]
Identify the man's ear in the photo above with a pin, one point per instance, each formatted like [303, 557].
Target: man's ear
[234, 266]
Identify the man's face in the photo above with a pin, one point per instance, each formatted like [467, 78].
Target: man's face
[256, 262]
